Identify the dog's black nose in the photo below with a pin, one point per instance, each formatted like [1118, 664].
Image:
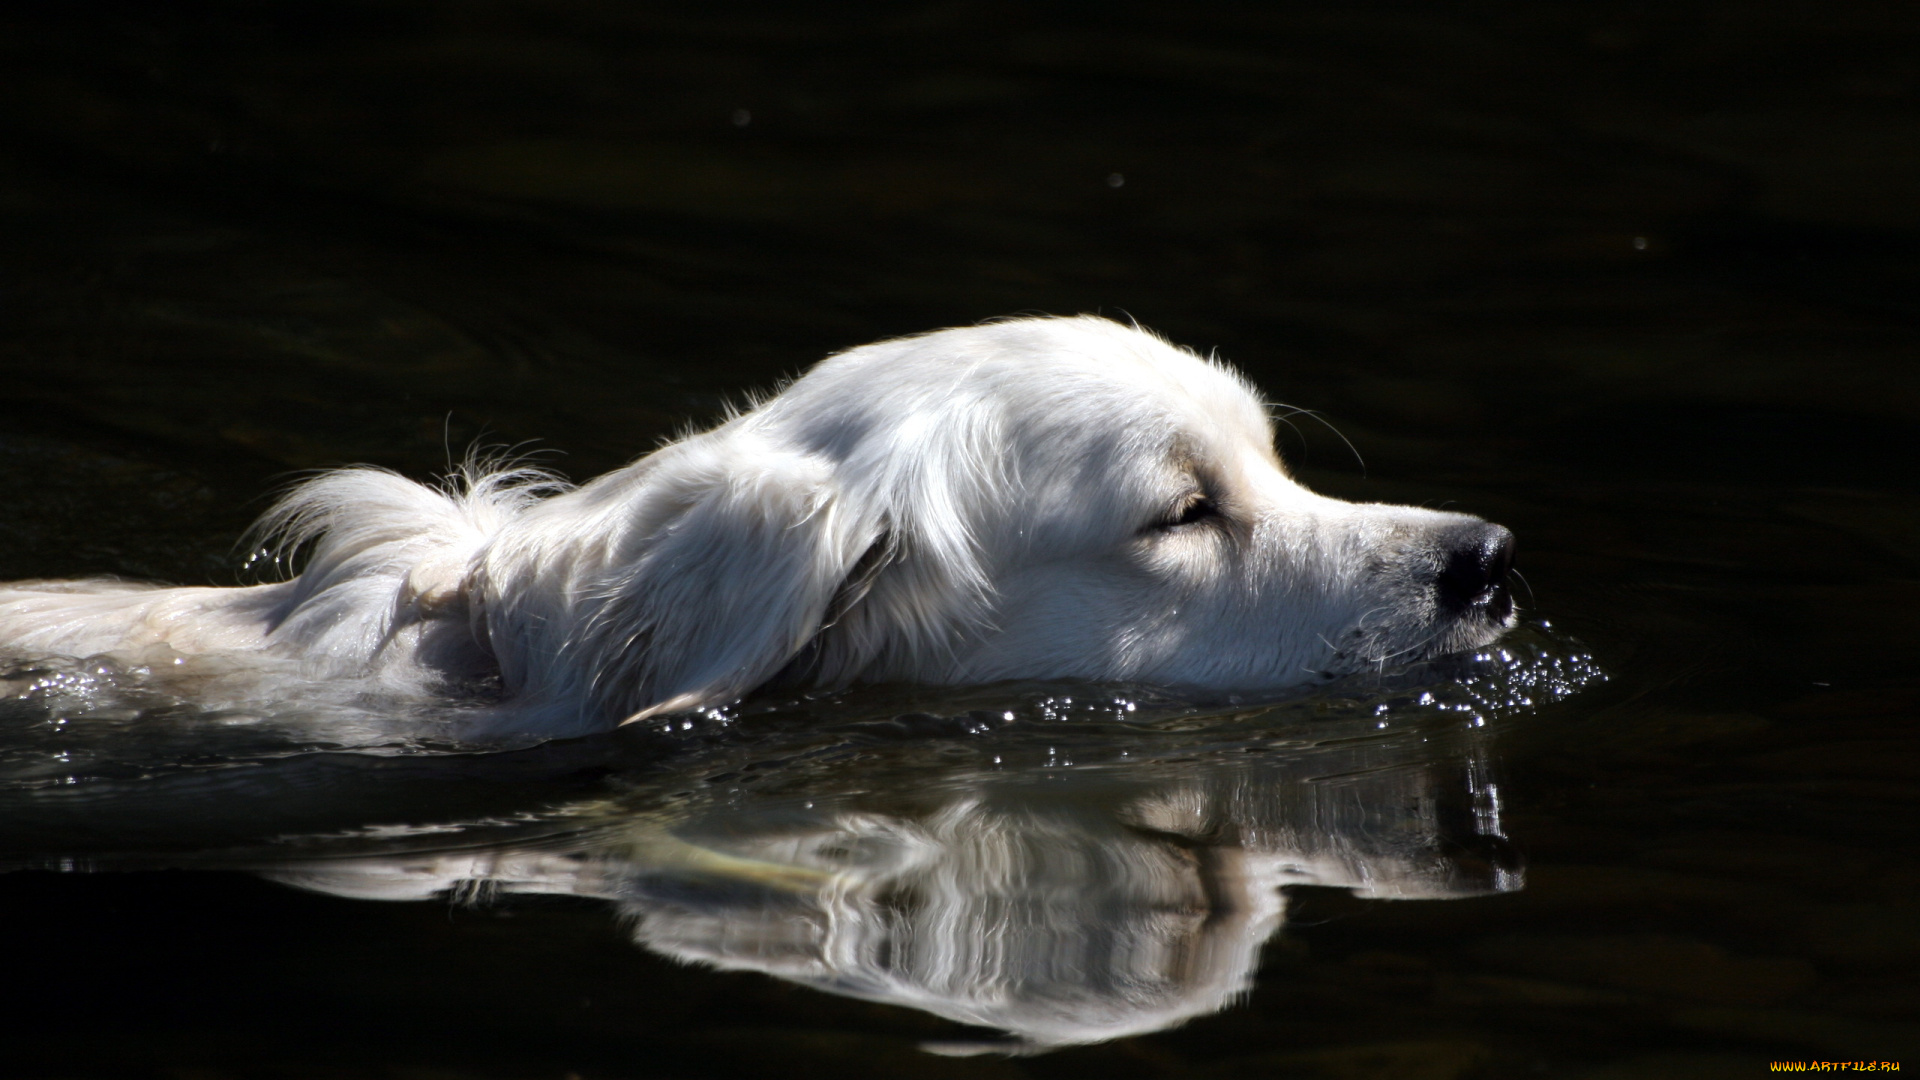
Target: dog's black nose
[1474, 576]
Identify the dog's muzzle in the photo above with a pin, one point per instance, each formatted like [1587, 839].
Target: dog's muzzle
[1473, 581]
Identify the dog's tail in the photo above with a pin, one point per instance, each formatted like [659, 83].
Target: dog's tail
[381, 551]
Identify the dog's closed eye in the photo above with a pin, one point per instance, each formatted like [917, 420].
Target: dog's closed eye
[1193, 508]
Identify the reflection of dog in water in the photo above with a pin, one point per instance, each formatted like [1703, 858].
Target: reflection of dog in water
[1060, 918]
[1031, 499]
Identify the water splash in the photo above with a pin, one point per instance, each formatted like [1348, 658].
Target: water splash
[97, 756]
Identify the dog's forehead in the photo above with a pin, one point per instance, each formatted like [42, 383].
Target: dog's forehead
[1073, 379]
[1100, 381]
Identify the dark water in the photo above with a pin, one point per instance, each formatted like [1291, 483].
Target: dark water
[1637, 281]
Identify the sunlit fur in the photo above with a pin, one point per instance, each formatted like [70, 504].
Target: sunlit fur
[966, 506]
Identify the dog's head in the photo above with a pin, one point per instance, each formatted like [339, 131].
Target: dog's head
[1032, 499]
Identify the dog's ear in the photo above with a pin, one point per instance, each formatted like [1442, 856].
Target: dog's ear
[732, 558]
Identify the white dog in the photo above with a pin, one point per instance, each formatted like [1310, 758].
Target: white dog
[1031, 499]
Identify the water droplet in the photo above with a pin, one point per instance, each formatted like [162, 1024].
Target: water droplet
[1115, 180]
[741, 118]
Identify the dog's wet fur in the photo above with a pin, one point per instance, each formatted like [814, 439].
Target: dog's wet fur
[1047, 498]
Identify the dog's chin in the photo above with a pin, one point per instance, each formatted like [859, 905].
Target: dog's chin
[1475, 628]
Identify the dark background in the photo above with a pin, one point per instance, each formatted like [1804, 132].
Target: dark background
[542, 218]
[1641, 281]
